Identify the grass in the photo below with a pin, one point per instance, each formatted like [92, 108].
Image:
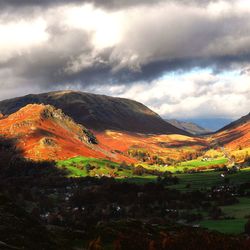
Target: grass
[86, 160]
[76, 166]
[139, 179]
[187, 165]
[240, 210]
[237, 211]
[199, 163]
[234, 226]
[198, 180]
[75, 172]
[208, 179]
[187, 182]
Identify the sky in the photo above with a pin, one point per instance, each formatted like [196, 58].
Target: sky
[182, 58]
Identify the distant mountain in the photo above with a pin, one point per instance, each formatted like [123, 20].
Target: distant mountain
[190, 127]
[98, 112]
[212, 124]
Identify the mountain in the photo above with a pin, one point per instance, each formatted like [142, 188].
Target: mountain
[190, 127]
[236, 134]
[234, 124]
[212, 124]
[43, 132]
[98, 112]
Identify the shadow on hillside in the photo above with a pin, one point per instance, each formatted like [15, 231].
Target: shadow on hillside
[13, 164]
[181, 144]
[21, 183]
[230, 136]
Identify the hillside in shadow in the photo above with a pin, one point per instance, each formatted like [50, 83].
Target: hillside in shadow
[18, 228]
[13, 164]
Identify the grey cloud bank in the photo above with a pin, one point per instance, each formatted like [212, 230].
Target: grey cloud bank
[98, 45]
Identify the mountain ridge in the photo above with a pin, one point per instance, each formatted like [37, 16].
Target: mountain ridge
[98, 112]
[190, 127]
[240, 121]
[43, 132]
[236, 134]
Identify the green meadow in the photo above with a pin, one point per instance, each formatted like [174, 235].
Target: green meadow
[188, 165]
[77, 167]
[232, 226]
[237, 214]
[207, 179]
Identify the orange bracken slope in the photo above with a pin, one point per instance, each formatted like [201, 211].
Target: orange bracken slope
[166, 146]
[45, 133]
[235, 136]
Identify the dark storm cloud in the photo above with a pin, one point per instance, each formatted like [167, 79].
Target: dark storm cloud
[171, 37]
[113, 4]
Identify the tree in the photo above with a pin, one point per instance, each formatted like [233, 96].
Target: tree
[139, 170]
[247, 227]
[87, 168]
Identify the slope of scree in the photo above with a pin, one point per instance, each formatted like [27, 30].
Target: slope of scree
[98, 112]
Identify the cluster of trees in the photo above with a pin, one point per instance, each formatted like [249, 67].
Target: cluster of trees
[139, 154]
[241, 156]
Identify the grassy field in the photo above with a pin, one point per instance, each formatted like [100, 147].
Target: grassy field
[239, 212]
[187, 165]
[86, 160]
[77, 166]
[208, 179]
[205, 180]
[187, 182]
[200, 163]
[235, 226]
[139, 179]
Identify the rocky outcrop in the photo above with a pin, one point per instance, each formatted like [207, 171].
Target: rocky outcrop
[84, 135]
[47, 142]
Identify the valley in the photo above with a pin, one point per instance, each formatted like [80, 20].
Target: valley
[78, 177]
[124, 125]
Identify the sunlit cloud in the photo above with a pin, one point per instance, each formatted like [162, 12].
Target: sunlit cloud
[20, 37]
[199, 93]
